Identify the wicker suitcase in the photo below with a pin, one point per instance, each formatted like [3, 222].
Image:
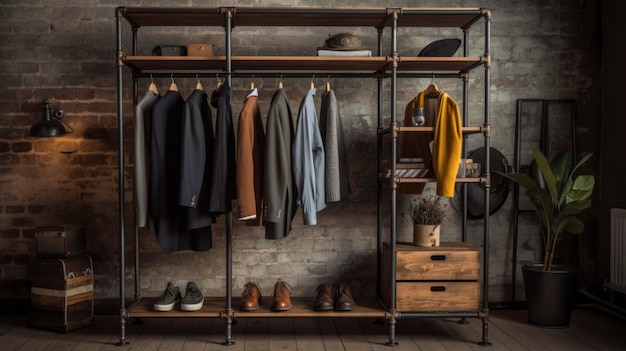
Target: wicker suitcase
[61, 296]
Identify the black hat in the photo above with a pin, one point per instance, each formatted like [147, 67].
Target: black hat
[441, 48]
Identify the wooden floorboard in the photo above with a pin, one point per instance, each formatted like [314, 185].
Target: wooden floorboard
[590, 329]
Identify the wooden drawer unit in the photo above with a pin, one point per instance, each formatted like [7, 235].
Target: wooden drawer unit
[433, 279]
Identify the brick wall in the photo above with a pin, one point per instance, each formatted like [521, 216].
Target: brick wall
[64, 51]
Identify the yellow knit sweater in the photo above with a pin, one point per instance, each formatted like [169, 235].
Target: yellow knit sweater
[443, 114]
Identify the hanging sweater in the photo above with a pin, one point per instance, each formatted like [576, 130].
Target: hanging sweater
[443, 114]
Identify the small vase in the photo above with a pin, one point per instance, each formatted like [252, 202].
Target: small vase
[426, 235]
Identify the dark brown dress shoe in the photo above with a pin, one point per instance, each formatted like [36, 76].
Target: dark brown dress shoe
[251, 297]
[282, 297]
[324, 299]
[343, 299]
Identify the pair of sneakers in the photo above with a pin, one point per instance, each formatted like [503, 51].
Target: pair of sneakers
[192, 301]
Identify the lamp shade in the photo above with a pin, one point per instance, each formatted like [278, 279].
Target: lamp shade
[48, 126]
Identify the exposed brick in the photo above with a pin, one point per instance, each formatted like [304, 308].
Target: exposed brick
[22, 147]
[15, 209]
[9, 233]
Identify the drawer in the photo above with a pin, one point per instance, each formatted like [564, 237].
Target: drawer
[437, 296]
[449, 261]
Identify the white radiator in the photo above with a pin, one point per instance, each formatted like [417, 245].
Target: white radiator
[617, 279]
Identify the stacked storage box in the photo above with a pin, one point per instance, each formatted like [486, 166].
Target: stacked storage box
[61, 287]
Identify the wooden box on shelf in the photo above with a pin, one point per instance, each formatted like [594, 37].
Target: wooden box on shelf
[433, 279]
[61, 297]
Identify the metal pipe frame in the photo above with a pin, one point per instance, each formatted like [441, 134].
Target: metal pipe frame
[394, 75]
[487, 138]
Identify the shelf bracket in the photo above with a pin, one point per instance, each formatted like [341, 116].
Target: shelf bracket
[120, 58]
[487, 60]
[486, 130]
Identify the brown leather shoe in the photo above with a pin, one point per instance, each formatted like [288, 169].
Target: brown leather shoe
[324, 299]
[282, 297]
[251, 297]
[343, 298]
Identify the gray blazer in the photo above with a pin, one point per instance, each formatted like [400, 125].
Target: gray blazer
[143, 113]
[279, 196]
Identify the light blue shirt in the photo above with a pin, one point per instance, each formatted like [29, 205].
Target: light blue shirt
[308, 161]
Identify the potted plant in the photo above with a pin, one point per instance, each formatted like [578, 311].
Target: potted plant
[427, 214]
[558, 196]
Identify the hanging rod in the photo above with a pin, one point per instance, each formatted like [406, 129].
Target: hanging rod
[296, 74]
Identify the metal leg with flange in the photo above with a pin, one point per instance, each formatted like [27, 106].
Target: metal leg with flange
[392, 329]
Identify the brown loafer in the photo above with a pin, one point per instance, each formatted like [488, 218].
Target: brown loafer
[324, 299]
[343, 299]
[282, 297]
[251, 297]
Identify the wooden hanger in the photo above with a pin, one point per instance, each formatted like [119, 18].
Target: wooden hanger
[432, 92]
[152, 87]
[312, 83]
[173, 86]
[219, 82]
[198, 84]
[327, 86]
[280, 82]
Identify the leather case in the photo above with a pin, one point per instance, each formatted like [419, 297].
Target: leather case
[200, 50]
[169, 50]
[60, 241]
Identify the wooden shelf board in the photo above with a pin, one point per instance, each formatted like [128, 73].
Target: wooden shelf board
[302, 307]
[432, 180]
[468, 130]
[298, 63]
[298, 17]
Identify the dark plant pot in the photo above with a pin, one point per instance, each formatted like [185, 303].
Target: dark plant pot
[550, 295]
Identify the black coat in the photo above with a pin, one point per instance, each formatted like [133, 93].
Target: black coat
[165, 160]
[223, 189]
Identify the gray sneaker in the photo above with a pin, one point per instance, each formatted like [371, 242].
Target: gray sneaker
[168, 298]
[193, 299]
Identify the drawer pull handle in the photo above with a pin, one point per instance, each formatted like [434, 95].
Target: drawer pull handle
[437, 288]
[438, 257]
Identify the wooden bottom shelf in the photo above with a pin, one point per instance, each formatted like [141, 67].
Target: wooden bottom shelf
[215, 306]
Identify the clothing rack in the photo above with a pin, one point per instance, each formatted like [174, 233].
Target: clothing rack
[380, 67]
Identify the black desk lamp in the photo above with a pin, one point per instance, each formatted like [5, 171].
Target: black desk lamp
[50, 124]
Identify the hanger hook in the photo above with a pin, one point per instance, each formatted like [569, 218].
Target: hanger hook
[197, 78]
[172, 77]
[151, 79]
[217, 75]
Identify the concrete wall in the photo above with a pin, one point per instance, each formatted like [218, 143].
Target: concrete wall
[64, 51]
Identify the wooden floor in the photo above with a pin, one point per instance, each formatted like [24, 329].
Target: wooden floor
[590, 329]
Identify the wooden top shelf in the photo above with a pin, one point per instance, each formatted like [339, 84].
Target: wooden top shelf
[198, 64]
[304, 16]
